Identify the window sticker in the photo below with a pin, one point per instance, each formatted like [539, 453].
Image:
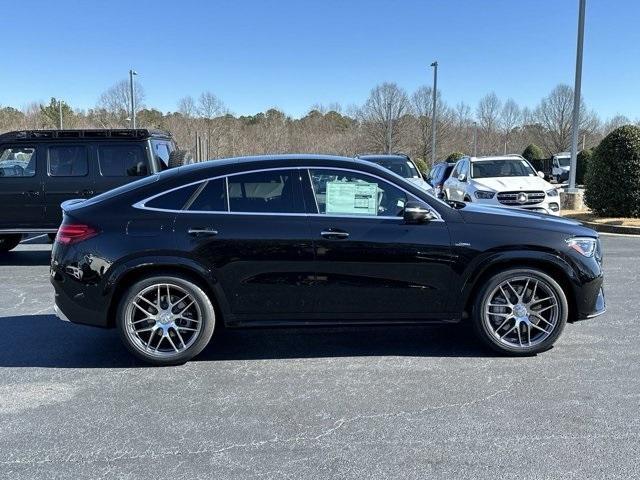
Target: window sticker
[352, 198]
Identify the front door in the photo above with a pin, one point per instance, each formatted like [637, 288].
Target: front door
[21, 195]
[257, 243]
[369, 263]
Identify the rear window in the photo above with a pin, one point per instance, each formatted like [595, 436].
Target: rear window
[174, 200]
[127, 160]
[213, 198]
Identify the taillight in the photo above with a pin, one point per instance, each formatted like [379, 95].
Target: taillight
[74, 233]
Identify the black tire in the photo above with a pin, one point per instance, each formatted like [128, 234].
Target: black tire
[178, 158]
[480, 321]
[203, 336]
[9, 242]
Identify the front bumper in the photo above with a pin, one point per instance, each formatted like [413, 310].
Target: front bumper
[542, 207]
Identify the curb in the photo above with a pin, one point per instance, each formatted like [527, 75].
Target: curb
[605, 228]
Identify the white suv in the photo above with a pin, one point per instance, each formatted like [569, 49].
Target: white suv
[505, 181]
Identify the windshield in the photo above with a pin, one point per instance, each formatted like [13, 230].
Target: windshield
[404, 168]
[501, 168]
[564, 161]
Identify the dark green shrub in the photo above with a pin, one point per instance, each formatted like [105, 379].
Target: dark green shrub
[533, 152]
[612, 187]
[422, 165]
[455, 156]
[583, 159]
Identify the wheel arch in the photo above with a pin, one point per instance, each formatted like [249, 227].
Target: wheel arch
[128, 274]
[553, 267]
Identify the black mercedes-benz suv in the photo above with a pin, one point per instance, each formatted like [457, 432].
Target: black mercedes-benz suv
[39, 169]
[313, 240]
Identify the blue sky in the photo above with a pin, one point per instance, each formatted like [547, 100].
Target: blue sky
[291, 54]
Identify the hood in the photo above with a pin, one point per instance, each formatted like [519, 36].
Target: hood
[420, 183]
[512, 217]
[504, 184]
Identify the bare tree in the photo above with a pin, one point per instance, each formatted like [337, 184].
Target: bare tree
[510, 118]
[210, 108]
[422, 109]
[554, 115]
[615, 122]
[114, 104]
[382, 114]
[488, 113]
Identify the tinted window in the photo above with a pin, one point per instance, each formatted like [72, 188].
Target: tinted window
[403, 167]
[174, 200]
[17, 161]
[213, 198]
[162, 149]
[348, 193]
[68, 161]
[122, 161]
[456, 170]
[265, 192]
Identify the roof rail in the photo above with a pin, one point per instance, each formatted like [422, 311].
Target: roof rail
[84, 133]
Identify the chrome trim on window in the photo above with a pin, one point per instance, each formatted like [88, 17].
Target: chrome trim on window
[142, 203]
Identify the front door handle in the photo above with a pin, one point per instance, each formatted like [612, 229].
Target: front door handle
[32, 193]
[334, 234]
[202, 232]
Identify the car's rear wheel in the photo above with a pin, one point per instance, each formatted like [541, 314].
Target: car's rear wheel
[520, 311]
[9, 242]
[165, 320]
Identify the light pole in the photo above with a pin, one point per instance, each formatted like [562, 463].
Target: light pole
[59, 114]
[475, 139]
[576, 99]
[133, 99]
[433, 113]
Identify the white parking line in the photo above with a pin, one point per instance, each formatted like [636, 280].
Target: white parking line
[27, 240]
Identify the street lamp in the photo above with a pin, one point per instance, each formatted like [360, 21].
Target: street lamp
[576, 99]
[475, 139]
[133, 100]
[433, 113]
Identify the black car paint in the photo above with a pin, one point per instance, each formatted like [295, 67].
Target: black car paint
[274, 270]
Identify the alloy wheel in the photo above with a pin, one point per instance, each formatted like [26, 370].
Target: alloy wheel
[521, 312]
[163, 320]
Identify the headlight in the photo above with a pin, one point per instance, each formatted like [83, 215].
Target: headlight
[585, 246]
[483, 195]
[552, 193]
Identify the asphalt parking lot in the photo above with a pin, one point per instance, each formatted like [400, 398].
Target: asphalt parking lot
[412, 402]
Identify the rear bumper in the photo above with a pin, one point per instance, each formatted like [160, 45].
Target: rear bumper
[71, 305]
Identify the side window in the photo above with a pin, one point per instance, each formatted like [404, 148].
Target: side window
[275, 191]
[17, 161]
[456, 170]
[122, 160]
[212, 198]
[67, 161]
[340, 192]
[174, 200]
[162, 150]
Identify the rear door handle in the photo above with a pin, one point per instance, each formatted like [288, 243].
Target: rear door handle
[334, 234]
[202, 232]
[32, 193]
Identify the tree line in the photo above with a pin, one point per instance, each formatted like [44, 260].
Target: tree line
[391, 120]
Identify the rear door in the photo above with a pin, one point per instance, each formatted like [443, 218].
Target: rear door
[119, 163]
[256, 240]
[21, 194]
[69, 174]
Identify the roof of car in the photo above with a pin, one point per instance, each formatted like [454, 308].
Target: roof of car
[380, 156]
[77, 134]
[495, 157]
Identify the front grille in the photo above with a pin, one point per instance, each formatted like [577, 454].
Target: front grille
[517, 198]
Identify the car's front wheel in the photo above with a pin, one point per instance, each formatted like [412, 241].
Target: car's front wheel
[520, 311]
[165, 320]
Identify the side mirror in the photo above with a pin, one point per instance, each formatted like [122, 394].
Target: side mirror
[541, 175]
[462, 177]
[416, 212]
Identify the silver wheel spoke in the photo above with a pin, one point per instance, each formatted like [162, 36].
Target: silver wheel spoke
[505, 320]
[180, 337]
[168, 337]
[150, 303]
[187, 329]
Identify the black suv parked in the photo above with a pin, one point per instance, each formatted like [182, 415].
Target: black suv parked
[39, 169]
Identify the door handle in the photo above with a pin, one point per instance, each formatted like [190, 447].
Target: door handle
[85, 193]
[334, 234]
[32, 193]
[202, 232]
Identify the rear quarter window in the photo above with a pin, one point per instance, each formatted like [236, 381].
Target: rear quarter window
[173, 200]
[122, 160]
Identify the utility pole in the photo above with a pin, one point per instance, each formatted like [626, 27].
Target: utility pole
[433, 113]
[576, 98]
[475, 139]
[133, 98]
[59, 114]
[389, 126]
